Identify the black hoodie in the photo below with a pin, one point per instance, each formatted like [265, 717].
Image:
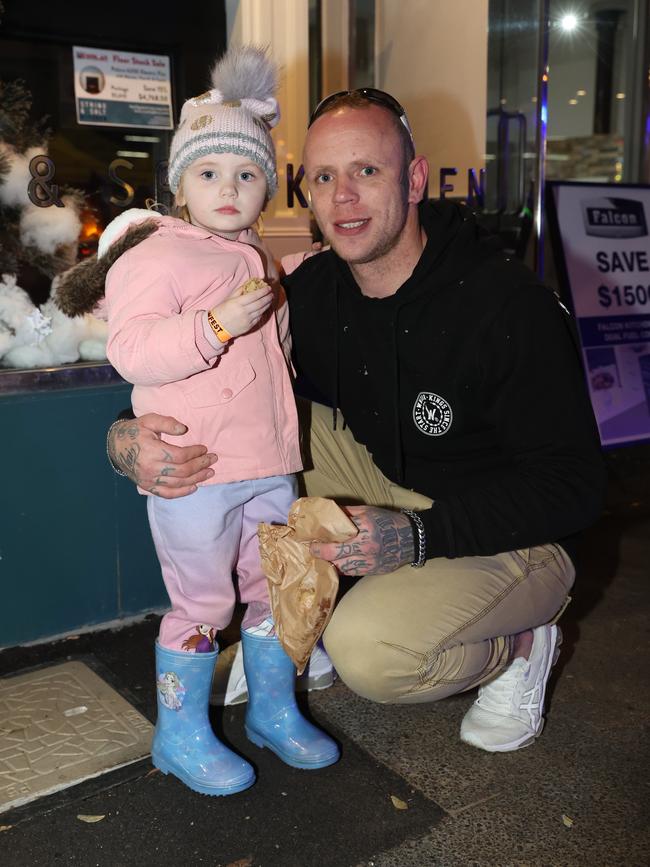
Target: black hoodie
[465, 385]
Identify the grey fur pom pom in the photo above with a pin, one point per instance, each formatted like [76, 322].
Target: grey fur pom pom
[245, 72]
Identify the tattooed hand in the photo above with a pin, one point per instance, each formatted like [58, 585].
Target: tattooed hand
[385, 542]
[168, 471]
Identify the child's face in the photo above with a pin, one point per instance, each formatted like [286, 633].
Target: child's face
[224, 193]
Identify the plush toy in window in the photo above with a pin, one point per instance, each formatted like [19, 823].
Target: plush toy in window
[44, 337]
[40, 240]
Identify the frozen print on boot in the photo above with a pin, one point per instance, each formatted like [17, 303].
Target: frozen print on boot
[202, 642]
[184, 743]
[171, 690]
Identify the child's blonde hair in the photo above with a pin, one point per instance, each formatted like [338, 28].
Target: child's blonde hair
[178, 210]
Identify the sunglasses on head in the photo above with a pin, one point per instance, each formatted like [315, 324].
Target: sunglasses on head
[370, 93]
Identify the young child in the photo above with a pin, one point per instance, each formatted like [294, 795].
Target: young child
[200, 344]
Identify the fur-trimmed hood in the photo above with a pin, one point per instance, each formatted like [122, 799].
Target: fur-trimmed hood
[82, 287]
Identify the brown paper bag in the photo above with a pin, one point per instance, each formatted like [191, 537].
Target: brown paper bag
[302, 587]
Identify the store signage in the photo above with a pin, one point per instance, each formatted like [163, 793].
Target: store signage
[600, 236]
[614, 218]
[43, 193]
[122, 88]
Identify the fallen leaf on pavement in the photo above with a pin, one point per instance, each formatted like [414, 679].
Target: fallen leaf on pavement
[243, 862]
[398, 803]
[5, 827]
[90, 819]
[568, 821]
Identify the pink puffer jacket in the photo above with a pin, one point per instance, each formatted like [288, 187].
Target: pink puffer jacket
[238, 403]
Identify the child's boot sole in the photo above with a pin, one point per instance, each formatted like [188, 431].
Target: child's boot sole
[262, 742]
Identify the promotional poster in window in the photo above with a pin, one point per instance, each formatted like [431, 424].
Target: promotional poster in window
[601, 242]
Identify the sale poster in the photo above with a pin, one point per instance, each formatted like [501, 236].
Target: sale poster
[601, 231]
[122, 88]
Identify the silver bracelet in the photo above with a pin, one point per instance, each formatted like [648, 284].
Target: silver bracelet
[108, 453]
[419, 535]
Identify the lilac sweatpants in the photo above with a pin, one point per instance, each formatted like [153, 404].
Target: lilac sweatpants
[201, 540]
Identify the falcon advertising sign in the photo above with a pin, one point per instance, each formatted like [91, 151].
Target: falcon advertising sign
[602, 245]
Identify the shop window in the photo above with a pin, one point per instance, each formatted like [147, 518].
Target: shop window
[95, 157]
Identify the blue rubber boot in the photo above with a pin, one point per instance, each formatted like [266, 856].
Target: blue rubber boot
[183, 743]
[272, 716]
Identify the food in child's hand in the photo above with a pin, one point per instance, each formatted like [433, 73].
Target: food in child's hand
[252, 285]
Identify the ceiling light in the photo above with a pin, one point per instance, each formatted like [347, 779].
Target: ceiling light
[149, 138]
[569, 22]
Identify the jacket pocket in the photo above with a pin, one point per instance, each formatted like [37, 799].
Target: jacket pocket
[221, 386]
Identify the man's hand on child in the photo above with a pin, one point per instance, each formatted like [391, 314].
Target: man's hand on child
[241, 312]
[168, 471]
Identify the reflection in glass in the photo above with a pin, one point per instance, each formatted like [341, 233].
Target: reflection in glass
[588, 71]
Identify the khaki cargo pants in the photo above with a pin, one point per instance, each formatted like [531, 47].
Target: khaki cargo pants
[417, 635]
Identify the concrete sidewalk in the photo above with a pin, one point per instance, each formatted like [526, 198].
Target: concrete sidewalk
[579, 796]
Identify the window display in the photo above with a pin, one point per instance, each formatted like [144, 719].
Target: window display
[39, 229]
[54, 204]
[85, 122]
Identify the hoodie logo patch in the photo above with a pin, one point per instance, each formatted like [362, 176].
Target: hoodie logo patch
[432, 414]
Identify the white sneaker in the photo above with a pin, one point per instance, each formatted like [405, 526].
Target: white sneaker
[508, 713]
[229, 681]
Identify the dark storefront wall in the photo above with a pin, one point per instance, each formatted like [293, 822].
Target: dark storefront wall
[75, 546]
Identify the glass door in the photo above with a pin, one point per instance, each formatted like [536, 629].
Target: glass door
[593, 113]
[590, 128]
[512, 121]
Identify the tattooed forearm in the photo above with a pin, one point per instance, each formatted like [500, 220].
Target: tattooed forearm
[347, 549]
[395, 544]
[384, 543]
[129, 430]
[128, 458]
[121, 457]
[127, 461]
[123, 449]
[138, 452]
[356, 566]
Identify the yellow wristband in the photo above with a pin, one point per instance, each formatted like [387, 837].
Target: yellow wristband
[222, 335]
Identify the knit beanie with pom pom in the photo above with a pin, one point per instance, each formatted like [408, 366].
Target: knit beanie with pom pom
[235, 116]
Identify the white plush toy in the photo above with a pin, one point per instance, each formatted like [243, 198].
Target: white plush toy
[32, 337]
[22, 325]
[76, 334]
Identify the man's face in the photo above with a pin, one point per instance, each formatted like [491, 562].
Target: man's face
[354, 168]
[224, 193]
